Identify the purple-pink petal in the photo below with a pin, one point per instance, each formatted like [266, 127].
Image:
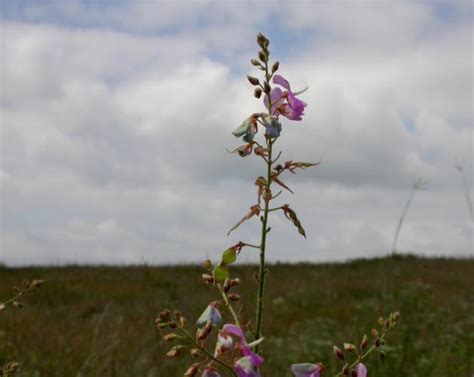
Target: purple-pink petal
[245, 367]
[234, 330]
[361, 370]
[280, 80]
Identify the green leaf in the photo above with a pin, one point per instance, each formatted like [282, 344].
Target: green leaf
[221, 273]
[229, 256]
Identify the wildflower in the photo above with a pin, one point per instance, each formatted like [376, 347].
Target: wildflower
[247, 129]
[248, 364]
[210, 314]
[306, 370]
[361, 370]
[285, 102]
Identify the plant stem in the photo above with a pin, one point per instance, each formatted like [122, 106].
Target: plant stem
[262, 272]
[229, 305]
[208, 354]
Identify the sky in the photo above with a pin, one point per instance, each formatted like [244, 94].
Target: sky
[116, 117]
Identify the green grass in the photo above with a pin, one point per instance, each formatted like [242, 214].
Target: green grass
[99, 321]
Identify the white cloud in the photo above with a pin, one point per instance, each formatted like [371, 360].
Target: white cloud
[113, 141]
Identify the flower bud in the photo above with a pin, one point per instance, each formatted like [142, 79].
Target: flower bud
[176, 351]
[226, 286]
[381, 321]
[255, 62]
[275, 67]
[377, 342]
[374, 332]
[364, 343]
[165, 315]
[266, 87]
[195, 352]
[208, 279]
[207, 265]
[349, 347]
[183, 322]
[338, 353]
[345, 370]
[233, 297]
[253, 80]
[170, 337]
[191, 371]
[234, 282]
[257, 93]
[263, 56]
[36, 283]
[262, 41]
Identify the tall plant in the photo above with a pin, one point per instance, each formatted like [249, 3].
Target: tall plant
[234, 354]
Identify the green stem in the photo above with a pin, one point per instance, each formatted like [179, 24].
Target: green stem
[262, 272]
[229, 306]
[205, 351]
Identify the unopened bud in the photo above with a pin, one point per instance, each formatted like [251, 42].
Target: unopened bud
[266, 87]
[377, 342]
[207, 265]
[165, 315]
[170, 337]
[346, 370]
[172, 324]
[338, 353]
[255, 62]
[191, 371]
[183, 322]
[349, 347]
[176, 351]
[262, 41]
[36, 283]
[381, 321]
[364, 342]
[275, 67]
[263, 56]
[234, 282]
[195, 352]
[253, 80]
[226, 286]
[374, 332]
[209, 279]
[17, 304]
[257, 93]
[233, 297]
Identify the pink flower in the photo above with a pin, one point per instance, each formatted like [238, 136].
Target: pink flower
[248, 364]
[285, 102]
[306, 370]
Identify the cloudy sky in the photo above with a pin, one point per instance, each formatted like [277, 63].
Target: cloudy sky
[116, 116]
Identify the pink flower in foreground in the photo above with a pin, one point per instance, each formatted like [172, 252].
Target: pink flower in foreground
[285, 102]
[306, 370]
[248, 364]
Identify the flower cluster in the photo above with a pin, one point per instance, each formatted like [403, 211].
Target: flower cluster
[220, 344]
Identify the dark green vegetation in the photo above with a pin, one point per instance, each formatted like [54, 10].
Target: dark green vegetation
[99, 321]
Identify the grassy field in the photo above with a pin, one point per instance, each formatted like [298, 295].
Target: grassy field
[99, 321]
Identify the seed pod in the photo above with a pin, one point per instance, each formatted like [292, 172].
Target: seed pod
[257, 93]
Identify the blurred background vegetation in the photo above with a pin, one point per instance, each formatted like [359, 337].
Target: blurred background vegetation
[99, 321]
